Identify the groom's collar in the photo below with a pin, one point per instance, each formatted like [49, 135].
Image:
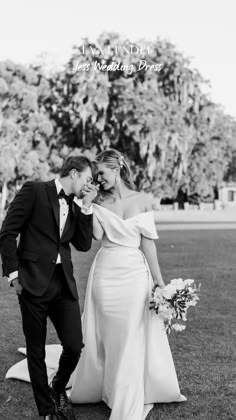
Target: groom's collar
[55, 183]
[59, 187]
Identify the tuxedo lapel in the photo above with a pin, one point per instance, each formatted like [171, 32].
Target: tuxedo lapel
[53, 198]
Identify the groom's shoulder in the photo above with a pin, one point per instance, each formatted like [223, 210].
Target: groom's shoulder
[35, 186]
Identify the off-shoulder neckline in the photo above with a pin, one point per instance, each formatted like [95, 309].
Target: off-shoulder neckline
[128, 218]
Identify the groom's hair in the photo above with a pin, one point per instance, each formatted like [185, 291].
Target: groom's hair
[80, 163]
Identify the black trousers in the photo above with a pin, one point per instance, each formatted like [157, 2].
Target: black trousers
[60, 306]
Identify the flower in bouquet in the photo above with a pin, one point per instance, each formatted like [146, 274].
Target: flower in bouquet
[169, 291]
[178, 327]
[172, 302]
[178, 283]
[165, 312]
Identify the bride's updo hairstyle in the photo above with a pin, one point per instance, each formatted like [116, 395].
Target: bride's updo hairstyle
[113, 159]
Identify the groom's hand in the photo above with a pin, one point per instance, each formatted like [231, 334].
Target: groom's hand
[89, 194]
[17, 286]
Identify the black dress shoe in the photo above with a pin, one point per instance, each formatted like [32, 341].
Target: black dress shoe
[51, 417]
[63, 404]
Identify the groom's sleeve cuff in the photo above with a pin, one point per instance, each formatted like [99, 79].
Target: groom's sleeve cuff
[12, 276]
[84, 209]
[87, 210]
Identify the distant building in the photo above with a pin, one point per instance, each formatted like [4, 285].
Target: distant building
[227, 194]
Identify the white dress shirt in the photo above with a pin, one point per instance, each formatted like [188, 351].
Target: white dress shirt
[64, 210]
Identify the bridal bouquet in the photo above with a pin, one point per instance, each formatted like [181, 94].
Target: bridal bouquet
[172, 302]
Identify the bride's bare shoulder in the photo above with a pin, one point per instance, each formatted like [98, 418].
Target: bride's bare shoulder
[144, 201]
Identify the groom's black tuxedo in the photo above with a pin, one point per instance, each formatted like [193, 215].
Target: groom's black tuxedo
[34, 214]
[49, 288]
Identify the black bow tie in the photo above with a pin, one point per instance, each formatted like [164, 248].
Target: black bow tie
[69, 198]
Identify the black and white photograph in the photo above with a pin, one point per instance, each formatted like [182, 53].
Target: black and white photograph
[117, 210]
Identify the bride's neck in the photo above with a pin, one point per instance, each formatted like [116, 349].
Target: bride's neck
[120, 191]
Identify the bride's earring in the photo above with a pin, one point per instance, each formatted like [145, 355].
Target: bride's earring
[117, 179]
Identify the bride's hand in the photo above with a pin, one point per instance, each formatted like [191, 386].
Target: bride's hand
[162, 285]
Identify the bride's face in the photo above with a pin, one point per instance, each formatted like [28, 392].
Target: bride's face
[106, 177]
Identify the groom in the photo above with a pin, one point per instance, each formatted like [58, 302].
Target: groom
[40, 269]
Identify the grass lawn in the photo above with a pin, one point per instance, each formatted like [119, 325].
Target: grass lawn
[204, 354]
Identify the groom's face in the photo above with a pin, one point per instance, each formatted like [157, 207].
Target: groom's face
[80, 179]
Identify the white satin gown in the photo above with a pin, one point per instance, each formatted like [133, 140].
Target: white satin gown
[126, 361]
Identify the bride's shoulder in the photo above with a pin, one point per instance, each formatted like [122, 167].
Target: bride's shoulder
[98, 207]
[144, 201]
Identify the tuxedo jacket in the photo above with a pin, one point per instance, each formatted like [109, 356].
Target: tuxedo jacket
[34, 214]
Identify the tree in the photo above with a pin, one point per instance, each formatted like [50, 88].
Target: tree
[106, 96]
[26, 130]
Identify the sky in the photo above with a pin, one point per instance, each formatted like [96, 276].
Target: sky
[203, 30]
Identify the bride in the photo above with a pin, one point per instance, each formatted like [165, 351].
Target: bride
[126, 361]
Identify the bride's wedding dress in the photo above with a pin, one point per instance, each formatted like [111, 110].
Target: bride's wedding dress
[126, 361]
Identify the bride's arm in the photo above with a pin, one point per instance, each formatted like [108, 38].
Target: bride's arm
[150, 252]
[97, 228]
[149, 249]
